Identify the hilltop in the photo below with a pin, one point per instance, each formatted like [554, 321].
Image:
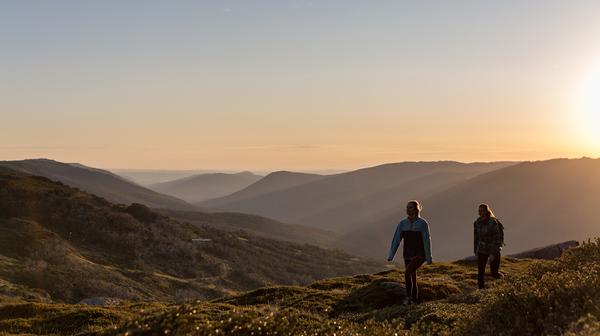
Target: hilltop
[537, 297]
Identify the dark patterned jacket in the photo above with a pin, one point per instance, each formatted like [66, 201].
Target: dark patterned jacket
[489, 236]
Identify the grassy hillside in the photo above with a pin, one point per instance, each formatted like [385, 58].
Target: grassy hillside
[69, 245]
[97, 181]
[202, 187]
[550, 297]
[256, 225]
[539, 203]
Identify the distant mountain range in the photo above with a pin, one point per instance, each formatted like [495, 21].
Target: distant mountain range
[347, 201]
[538, 202]
[97, 181]
[67, 245]
[146, 177]
[202, 187]
[272, 183]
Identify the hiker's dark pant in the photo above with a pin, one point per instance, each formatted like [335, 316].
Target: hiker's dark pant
[481, 262]
[410, 276]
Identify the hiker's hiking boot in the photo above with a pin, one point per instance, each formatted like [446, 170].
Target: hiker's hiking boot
[498, 275]
[406, 302]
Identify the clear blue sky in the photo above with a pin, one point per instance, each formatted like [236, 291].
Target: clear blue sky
[295, 84]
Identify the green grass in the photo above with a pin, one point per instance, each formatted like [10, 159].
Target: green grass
[63, 319]
[344, 305]
[535, 298]
[550, 298]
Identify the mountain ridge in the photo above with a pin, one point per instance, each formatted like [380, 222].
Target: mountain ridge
[273, 182]
[201, 187]
[97, 181]
[311, 199]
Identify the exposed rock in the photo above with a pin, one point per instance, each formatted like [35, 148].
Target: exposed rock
[375, 295]
[547, 252]
[394, 288]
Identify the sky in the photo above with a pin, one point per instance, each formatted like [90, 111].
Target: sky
[299, 85]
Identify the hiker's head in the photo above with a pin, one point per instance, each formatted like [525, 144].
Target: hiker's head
[413, 208]
[485, 211]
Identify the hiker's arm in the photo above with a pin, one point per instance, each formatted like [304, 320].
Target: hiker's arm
[501, 233]
[475, 238]
[427, 242]
[395, 243]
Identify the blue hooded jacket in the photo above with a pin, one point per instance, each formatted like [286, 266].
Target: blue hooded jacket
[419, 225]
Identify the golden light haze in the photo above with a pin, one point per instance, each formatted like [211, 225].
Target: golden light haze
[268, 87]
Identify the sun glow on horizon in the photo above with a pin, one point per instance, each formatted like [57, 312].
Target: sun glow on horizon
[285, 85]
[588, 107]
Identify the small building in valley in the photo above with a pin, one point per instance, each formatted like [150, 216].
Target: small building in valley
[203, 242]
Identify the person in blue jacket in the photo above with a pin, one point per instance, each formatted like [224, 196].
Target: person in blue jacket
[417, 248]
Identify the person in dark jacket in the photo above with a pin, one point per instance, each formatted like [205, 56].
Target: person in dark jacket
[417, 248]
[488, 241]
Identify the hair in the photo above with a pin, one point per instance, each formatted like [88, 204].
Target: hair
[416, 204]
[488, 209]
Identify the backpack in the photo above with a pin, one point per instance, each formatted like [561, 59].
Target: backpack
[501, 232]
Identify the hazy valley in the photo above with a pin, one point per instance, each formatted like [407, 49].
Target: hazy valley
[166, 264]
